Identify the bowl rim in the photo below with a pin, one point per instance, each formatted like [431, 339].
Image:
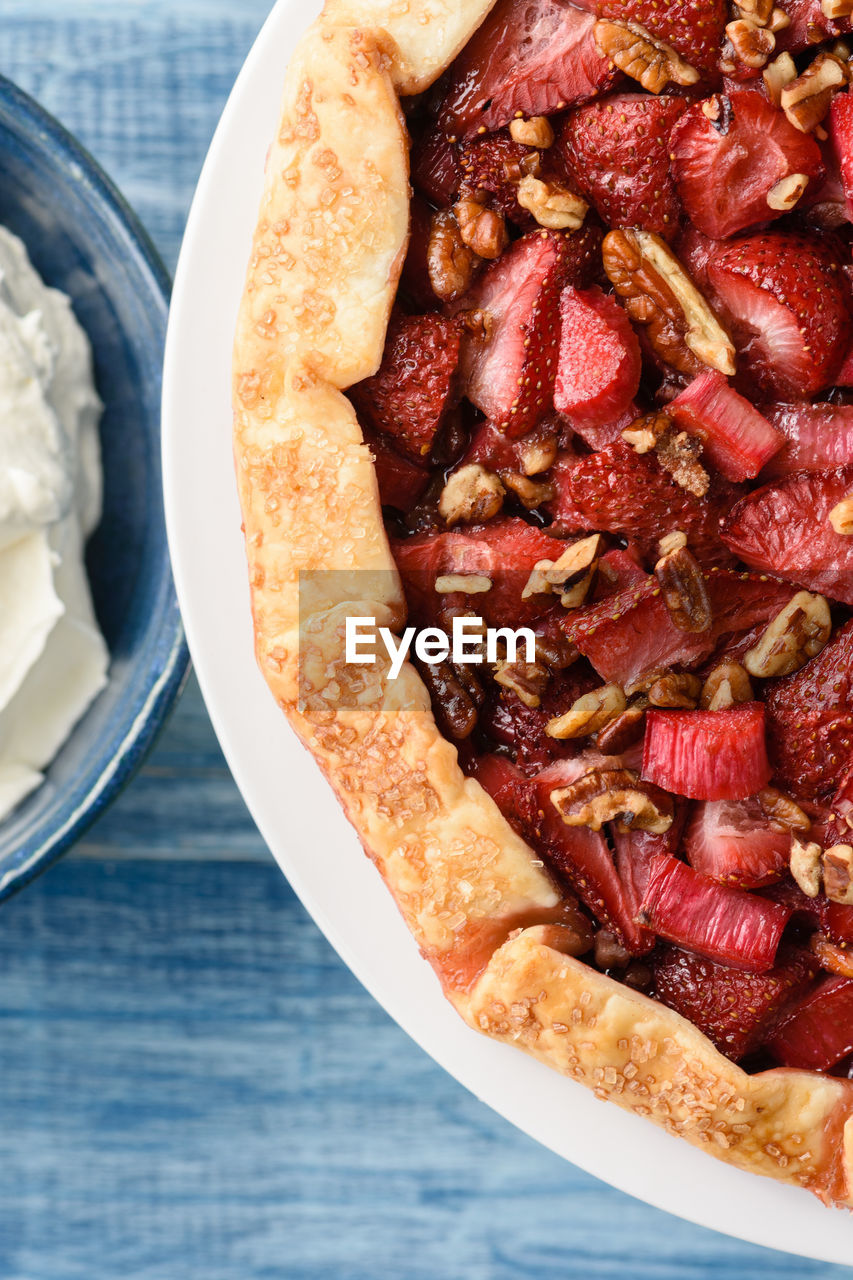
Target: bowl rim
[147, 721]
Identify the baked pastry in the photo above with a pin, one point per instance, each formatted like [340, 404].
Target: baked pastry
[599, 406]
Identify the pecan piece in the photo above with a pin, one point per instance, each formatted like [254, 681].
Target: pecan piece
[787, 192]
[679, 690]
[471, 495]
[642, 56]
[469, 584]
[609, 952]
[752, 43]
[841, 517]
[838, 874]
[529, 492]
[756, 11]
[450, 262]
[528, 680]
[535, 132]
[784, 813]
[589, 713]
[805, 866]
[553, 206]
[797, 633]
[830, 957]
[684, 592]
[607, 795]
[659, 294]
[727, 685]
[807, 99]
[624, 731]
[780, 72]
[677, 452]
[456, 695]
[481, 229]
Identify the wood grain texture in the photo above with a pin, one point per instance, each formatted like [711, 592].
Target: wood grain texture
[192, 1084]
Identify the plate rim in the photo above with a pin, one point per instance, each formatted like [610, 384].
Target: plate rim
[763, 1208]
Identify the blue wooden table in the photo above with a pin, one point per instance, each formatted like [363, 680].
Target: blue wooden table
[191, 1084]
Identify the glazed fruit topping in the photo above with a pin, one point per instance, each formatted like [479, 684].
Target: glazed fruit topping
[616, 406]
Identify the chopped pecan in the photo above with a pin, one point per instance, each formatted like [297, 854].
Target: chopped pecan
[553, 206]
[608, 795]
[797, 633]
[787, 192]
[835, 9]
[471, 495]
[677, 690]
[756, 11]
[780, 72]
[841, 517]
[684, 592]
[784, 813]
[572, 574]
[805, 866]
[528, 492]
[807, 99]
[573, 939]
[450, 262]
[659, 294]
[535, 132]
[527, 680]
[589, 713]
[752, 43]
[621, 733]
[727, 685]
[830, 957]
[677, 452]
[672, 541]
[838, 874]
[609, 952]
[481, 229]
[642, 56]
[779, 20]
[538, 455]
[456, 695]
[469, 584]
[556, 651]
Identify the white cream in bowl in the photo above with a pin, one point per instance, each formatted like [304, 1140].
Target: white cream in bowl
[53, 659]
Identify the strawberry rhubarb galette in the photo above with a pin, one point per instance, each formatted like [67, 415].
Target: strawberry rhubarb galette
[590, 377]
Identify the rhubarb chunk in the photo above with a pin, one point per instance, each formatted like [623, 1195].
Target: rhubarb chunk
[707, 755]
[737, 440]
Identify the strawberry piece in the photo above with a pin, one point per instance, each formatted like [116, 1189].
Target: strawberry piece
[492, 163]
[529, 56]
[818, 437]
[503, 550]
[840, 124]
[512, 792]
[715, 920]
[618, 571]
[737, 440]
[785, 528]
[810, 720]
[497, 452]
[729, 152]
[617, 151]
[734, 842]
[566, 517]
[583, 857]
[401, 481]
[522, 729]
[509, 373]
[809, 26]
[733, 1008]
[694, 27]
[414, 387]
[600, 435]
[619, 490]
[435, 168]
[818, 1032]
[842, 807]
[707, 755]
[785, 299]
[599, 367]
[629, 637]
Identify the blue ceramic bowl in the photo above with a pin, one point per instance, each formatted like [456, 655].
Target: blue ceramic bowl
[84, 239]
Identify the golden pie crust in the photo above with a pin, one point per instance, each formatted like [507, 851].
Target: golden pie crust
[326, 257]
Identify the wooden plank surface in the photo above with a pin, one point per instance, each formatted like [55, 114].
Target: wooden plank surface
[192, 1083]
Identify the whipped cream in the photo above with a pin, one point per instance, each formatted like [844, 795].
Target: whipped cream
[53, 659]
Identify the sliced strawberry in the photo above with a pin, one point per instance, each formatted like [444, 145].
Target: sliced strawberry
[619, 490]
[492, 163]
[840, 124]
[602, 434]
[694, 251]
[504, 551]
[509, 371]
[566, 517]
[409, 396]
[715, 920]
[512, 792]
[435, 168]
[694, 27]
[707, 755]
[728, 153]
[630, 637]
[785, 529]
[617, 150]
[733, 841]
[785, 300]
[733, 1008]
[842, 807]
[599, 367]
[401, 481]
[810, 720]
[497, 452]
[819, 437]
[618, 571]
[529, 56]
[737, 440]
[583, 857]
[818, 1032]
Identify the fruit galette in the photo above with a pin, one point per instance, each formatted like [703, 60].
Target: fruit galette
[591, 376]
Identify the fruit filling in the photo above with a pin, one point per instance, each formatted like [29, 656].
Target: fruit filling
[616, 408]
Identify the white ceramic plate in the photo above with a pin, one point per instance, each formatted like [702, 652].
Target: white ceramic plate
[289, 799]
